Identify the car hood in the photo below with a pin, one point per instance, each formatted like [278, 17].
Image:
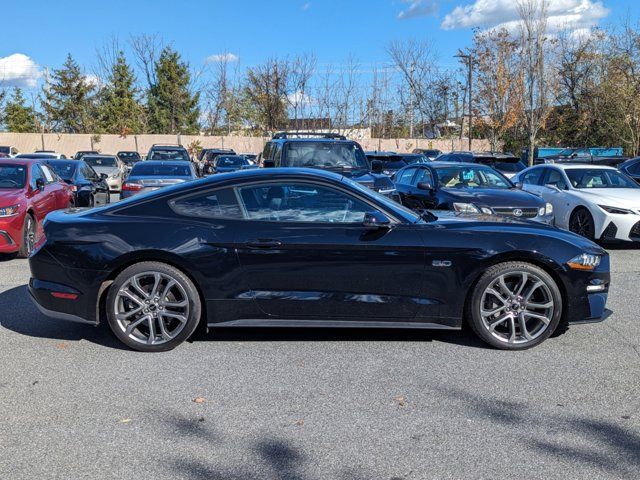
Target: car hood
[499, 224]
[11, 196]
[614, 197]
[495, 197]
[107, 170]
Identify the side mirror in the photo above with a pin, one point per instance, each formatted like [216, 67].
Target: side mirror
[39, 184]
[518, 185]
[268, 163]
[375, 220]
[376, 166]
[425, 186]
[552, 186]
[104, 176]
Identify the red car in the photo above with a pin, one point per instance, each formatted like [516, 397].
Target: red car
[28, 191]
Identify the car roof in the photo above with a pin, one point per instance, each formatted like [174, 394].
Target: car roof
[437, 163]
[175, 163]
[573, 166]
[99, 156]
[312, 140]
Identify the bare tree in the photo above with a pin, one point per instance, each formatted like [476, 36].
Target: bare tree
[266, 89]
[146, 50]
[302, 69]
[540, 84]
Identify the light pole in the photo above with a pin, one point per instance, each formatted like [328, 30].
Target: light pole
[469, 60]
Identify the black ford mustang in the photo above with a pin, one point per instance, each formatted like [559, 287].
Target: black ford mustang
[298, 247]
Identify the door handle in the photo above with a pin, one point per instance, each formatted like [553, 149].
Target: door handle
[263, 244]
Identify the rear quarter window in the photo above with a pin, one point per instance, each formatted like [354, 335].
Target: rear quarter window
[216, 204]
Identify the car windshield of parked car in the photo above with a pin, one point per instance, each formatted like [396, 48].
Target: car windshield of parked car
[599, 178]
[159, 154]
[143, 169]
[129, 157]
[6, 150]
[65, 170]
[470, 177]
[509, 164]
[338, 155]
[100, 161]
[36, 155]
[228, 161]
[410, 159]
[12, 176]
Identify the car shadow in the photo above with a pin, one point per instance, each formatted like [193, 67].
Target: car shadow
[5, 257]
[18, 314]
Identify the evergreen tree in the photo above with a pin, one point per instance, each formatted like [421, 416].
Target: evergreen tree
[119, 110]
[172, 108]
[68, 99]
[19, 117]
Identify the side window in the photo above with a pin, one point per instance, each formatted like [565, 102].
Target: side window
[277, 156]
[533, 177]
[213, 204]
[48, 175]
[89, 173]
[266, 153]
[634, 169]
[554, 177]
[424, 175]
[288, 202]
[405, 176]
[36, 174]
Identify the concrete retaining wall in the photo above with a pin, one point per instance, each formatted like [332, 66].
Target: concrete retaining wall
[71, 143]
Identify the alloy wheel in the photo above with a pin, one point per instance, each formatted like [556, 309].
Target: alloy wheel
[581, 224]
[517, 307]
[151, 308]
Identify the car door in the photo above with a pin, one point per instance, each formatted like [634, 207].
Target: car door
[422, 198]
[99, 186]
[402, 180]
[531, 180]
[55, 189]
[554, 190]
[306, 254]
[42, 199]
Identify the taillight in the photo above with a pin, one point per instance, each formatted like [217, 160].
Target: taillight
[74, 188]
[65, 295]
[132, 187]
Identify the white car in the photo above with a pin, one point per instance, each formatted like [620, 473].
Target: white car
[597, 202]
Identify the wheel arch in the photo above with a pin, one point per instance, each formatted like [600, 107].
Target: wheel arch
[160, 256]
[547, 264]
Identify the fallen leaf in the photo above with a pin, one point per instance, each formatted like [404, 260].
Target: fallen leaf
[199, 400]
[125, 420]
[401, 400]
[300, 423]
[61, 345]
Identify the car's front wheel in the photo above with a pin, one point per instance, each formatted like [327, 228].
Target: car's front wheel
[153, 307]
[515, 305]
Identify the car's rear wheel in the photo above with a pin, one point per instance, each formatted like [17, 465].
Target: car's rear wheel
[515, 305]
[29, 228]
[581, 222]
[153, 307]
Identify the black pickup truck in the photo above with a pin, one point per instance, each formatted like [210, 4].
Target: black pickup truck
[594, 156]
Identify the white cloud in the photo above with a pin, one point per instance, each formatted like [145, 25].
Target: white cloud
[222, 57]
[19, 70]
[568, 15]
[300, 99]
[93, 80]
[418, 8]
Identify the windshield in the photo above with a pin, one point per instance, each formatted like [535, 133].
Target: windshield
[599, 178]
[222, 161]
[511, 166]
[6, 150]
[143, 169]
[65, 170]
[339, 155]
[470, 177]
[12, 176]
[129, 157]
[169, 155]
[36, 155]
[409, 159]
[100, 161]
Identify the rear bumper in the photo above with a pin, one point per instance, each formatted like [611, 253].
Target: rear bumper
[76, 310]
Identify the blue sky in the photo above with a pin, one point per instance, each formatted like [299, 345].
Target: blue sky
[45, 31]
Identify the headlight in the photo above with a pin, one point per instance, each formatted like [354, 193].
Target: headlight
[546, 210]
[487, 210]
[616, 210]
[466, 208]
[549, 161]
[9, 211]
[584, 261]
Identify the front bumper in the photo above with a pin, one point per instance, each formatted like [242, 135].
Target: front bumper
[583, 304]
[615, 226]
[11, 233]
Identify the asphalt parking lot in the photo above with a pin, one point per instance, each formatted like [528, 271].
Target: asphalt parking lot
[319, 404]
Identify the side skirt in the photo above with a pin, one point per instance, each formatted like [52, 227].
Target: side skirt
[329, 324]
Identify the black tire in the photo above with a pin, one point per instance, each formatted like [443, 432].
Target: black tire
[513, 270]
[192, 297]
[581, 223]
[29, 230]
